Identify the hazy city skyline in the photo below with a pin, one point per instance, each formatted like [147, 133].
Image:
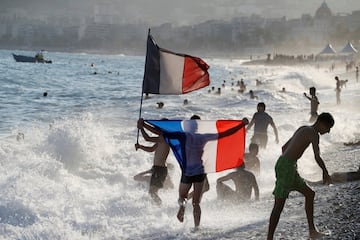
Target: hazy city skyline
[177, 12]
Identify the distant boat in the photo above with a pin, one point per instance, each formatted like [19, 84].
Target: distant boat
[22, 58]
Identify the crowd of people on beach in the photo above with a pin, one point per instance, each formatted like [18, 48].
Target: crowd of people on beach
[244, 177]
[244, 186]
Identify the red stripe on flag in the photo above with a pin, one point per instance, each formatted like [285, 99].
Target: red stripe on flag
[195, 74]
[230, 149]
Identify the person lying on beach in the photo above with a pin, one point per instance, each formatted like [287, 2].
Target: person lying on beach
[341, 177]
[244, 182]
[352, 143]
[287, 176]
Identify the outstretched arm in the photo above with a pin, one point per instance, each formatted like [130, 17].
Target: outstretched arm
[251, 123]
[149, 138]
[224, 178]
[244, 122]
[275, 132]
[141, 125]
[307, 96]
[320, 162]
[326, 176]
[150, 127]
[146, 148]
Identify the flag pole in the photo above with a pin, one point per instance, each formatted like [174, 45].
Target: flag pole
[142, 93]
[141, 101]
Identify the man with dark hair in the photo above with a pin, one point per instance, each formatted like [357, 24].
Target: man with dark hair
[262, 119]
[314, 103]
[287, 177]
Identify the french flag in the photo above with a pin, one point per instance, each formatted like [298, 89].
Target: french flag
[167, 72]
[203, 146]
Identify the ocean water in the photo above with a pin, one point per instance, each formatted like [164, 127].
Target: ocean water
[67, 160]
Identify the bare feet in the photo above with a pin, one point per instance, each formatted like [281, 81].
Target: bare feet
[316, 235]
[156, 198]
[180, 214]
[195, 229]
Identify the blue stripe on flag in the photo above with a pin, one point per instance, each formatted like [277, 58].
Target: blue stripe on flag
[169, 127]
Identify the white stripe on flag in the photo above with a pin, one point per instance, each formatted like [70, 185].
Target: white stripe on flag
[210, 149]
[171, 73]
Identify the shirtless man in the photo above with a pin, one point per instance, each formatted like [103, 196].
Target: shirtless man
[287, 177]
[262, 119]
[244, 181]
[161, 151]
[314, 103]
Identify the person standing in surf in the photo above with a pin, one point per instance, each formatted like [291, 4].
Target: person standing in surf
[287, 177]
[261, 120]
[193, 173]
[161, 151]
[337, 90]
[314, 104]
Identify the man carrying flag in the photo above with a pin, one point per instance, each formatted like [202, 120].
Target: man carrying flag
[201, 147]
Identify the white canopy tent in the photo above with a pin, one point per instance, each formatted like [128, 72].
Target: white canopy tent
[328, 50]
[349, 49]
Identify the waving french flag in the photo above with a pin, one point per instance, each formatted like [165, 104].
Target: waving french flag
[202, 146]
[167, 72]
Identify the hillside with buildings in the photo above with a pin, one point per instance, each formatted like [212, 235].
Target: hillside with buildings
[105, 31]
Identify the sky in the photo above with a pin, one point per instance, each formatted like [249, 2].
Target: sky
[181, 12]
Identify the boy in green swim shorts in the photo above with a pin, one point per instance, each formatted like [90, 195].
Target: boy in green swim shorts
[287, 177]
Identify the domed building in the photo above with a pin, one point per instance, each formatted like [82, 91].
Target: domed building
[323, 11]
[323, 23]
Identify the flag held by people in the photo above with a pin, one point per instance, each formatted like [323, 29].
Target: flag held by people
[217, 153]
[169, 73]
